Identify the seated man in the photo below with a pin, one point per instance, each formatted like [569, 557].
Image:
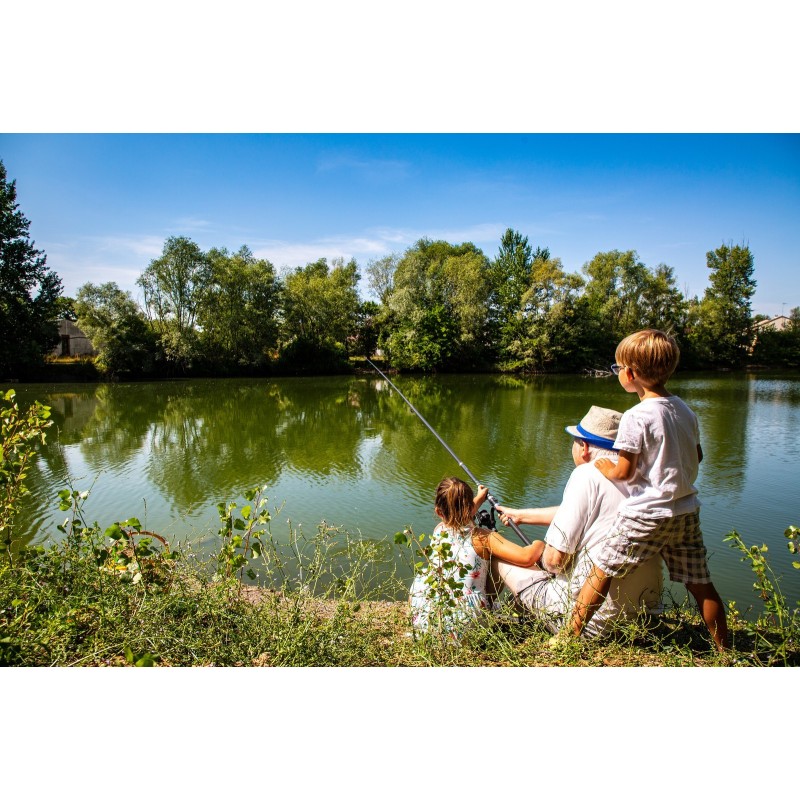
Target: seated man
[576, 531]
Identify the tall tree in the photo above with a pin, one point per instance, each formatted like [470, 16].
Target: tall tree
[238, 310]
[722, 329]
[29, 290]
[126, 344]
[549, 326]
[320, 310]
[439, 307]
[662, 304]
[174, 285]
[510, 273]
[380, 276]
[614, 288]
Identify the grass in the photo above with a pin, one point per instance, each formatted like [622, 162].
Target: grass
[80, 603]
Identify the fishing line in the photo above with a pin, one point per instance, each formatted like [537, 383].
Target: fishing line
[492, 500]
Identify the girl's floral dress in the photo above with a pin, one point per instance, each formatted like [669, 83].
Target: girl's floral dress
[451, 589]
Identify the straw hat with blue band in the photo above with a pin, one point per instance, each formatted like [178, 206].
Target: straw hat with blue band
[599, 427]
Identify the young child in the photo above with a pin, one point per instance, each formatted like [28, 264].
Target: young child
[659, 454]
[453, 589]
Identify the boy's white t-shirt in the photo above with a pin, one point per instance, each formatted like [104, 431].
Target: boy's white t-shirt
[665, 434]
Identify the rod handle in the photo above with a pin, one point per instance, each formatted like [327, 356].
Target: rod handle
[513, 525]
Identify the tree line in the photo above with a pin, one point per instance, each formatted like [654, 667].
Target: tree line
[438, 306]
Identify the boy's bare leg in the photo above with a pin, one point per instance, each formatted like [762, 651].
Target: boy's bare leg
[590, 598]
[712, 610]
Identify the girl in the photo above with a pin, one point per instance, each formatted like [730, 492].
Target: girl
[456, 584]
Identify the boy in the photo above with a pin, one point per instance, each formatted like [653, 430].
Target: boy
[659, 455]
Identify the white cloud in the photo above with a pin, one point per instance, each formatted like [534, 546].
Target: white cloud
[373, 244]
[129, 246]
[102, 259]
[362, 248]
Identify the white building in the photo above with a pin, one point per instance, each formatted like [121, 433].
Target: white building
[780, 323]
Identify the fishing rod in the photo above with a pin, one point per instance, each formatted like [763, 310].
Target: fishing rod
[492, 500]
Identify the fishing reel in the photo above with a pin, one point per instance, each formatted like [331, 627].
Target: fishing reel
[485, 519]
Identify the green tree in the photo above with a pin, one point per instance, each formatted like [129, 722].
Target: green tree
[174, 285]
[440, 307]
[548, 331]
[29, 291]
[380, 276]
[320, 314]
[126, 344]
[662, 304]
[624, 296]
[369, 328]
[65, 308]
[614, 289]
[510, 276]
[720, 332]
[238, 310]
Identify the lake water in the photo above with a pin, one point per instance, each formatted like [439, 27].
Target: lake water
[349, 451]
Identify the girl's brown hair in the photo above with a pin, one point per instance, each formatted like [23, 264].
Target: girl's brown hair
[455, 502]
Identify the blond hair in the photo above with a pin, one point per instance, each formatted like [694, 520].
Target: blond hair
[455, 502]
[652, 354]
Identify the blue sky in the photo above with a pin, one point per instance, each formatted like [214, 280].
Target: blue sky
[101, 205]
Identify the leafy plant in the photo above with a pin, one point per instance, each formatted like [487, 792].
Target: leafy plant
[242, 535]
[438, 600]
[20, 432]
[777, 628]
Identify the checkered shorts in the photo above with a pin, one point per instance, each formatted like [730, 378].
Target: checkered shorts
[679, 540]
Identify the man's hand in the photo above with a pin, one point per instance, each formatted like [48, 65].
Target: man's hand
[507, 514]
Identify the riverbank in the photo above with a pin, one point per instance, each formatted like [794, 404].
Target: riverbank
[82, 369]
[79, 605]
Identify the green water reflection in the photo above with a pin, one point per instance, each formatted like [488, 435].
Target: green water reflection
[347, 450]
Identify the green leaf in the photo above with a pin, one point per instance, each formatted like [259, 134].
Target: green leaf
[114, 531]
[400, 538]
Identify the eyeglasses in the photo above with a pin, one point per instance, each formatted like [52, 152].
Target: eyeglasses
[617, 368]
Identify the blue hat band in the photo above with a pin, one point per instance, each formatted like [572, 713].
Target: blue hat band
[594, 439]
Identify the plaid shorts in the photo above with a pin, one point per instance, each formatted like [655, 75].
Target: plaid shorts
[679, 540]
